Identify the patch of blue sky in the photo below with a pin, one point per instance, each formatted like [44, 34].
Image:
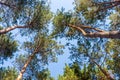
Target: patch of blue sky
[57, 68]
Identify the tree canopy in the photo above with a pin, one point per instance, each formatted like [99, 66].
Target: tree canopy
[93, 24]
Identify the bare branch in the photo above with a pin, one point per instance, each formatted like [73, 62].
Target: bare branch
[3, 31]
[102, 34]
[89, 27]
[78, 28]
[8, 5]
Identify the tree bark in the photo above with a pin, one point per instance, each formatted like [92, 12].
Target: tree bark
[110, 34]
[99, 33]
[3, 31]
[26, 64]
[103, 71]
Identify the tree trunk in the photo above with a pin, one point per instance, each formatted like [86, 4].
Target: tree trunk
[25, 66]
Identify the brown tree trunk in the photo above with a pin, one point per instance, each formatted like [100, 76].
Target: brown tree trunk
[25, 66]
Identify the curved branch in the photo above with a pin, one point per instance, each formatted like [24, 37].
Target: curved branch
[3, 31]
[78, 28]
[102, 34]
[89, 27]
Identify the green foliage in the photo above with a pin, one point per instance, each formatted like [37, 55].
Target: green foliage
[7, 47]
[89, 72]
[47, 51]
[61, 22]
[47, 47]
[44, 75]
[83, 4]
[68, 74]
[8, 73]
[0, 19]
[90, 10]
[37, 14]
[85, 7]
[34, 70]
[115, 20]
[73, 72]
[33, 13]
[112, 47]
[41, 17]
[20, 61]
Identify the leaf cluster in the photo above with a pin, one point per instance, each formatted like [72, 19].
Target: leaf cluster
[112, 47]
[41, 17]
[90, 11]
[47, 47]
[7, 46]
[61, 23]
[8, 73]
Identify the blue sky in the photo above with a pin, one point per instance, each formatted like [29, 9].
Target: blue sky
[57, 68]
[57, 4]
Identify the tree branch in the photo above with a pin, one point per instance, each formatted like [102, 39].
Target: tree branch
[110, 7]
[10, 6]
[109, 34]
[110, 2]
[89, 27]
[103, 71]
[102, 34]
[3, 31]
[113, 4]
[78, 28]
